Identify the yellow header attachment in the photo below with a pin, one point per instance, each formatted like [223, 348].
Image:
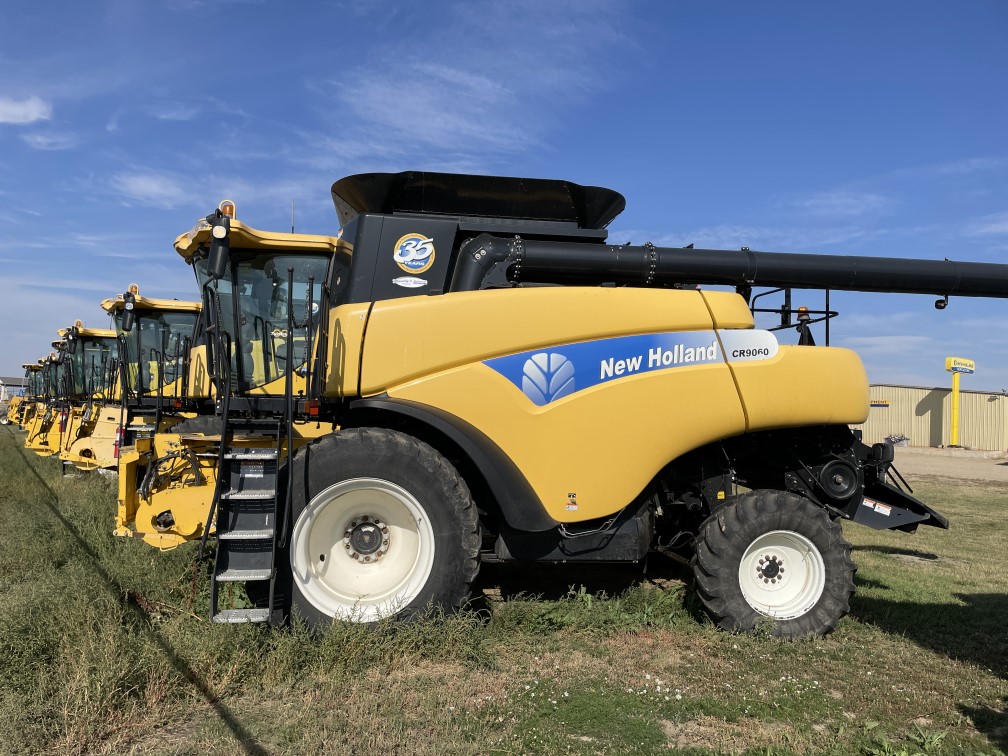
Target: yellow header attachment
[32, 366]
[246, 237]
[149, 303]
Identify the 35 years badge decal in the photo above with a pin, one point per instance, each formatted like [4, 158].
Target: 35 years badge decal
[414, 253]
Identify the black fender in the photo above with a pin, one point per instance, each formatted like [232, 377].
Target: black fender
[519, 504]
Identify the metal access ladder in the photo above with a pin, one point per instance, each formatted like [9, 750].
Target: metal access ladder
[247, 508]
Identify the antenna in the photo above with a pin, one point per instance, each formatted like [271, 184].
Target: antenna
[292, 214]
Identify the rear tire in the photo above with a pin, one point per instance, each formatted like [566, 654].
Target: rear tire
[774, 556]
[383, 526]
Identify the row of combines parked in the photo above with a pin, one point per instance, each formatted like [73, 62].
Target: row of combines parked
[468, 373]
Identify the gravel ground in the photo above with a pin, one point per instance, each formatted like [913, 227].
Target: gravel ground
[952, 463]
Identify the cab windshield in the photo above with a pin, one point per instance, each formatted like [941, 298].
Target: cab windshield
[54, 372]
[156, 348]
[254, 308]
[89, 360]
[33, 380]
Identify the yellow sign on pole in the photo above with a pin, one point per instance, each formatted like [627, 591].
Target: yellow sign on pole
[957, 366]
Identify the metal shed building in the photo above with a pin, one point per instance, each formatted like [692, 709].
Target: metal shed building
[924, 417]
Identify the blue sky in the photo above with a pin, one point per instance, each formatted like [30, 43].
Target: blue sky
[842, 128]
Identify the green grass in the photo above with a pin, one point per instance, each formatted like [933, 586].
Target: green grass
[105, 649]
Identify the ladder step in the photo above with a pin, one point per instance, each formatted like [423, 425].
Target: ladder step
[234, 616]
[248, 495]
[238, 576]
[245, 535]
[263, 454]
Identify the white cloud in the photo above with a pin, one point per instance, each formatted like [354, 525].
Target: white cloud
[51, 141]
[465, 97]
[175, 112]
[25, 111]
[989, 225]
[153, 189]
[844, 203]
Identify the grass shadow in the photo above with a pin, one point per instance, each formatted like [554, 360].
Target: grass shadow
[991, 722]
[959, 631]
[143, 619]
[894, 551]
[552, 582]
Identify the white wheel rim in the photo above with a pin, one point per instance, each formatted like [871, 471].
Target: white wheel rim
[343, 586]
[782, 574]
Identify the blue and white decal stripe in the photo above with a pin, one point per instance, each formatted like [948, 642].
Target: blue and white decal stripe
[546, 375]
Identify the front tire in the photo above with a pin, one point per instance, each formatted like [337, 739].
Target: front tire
[774, 556]
[383, 526]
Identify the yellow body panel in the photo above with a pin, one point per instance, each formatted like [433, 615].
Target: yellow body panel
[346, 334]
[188, 501]
[604, 444]
[415, 336]
[600, 446]
[91, 444]
[44, 432]
[176, 487]
[14, 409]
[200, 385]
[803, 386]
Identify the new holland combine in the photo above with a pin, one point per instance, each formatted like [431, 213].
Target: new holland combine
[91, 415]
[45, 431]
[468, 372]
[163, 382]
[485, 379]
[21, 407]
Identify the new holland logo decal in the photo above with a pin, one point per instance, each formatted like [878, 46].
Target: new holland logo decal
[549, 376]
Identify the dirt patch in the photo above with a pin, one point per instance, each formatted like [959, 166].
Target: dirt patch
[924, 463]
[718, 734]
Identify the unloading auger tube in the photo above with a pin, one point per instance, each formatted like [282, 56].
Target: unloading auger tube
[491, 261]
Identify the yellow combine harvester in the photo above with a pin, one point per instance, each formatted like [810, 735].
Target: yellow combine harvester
[19, 407]
[45, 431]
[157, 393]
[92, 397]
[168, 461]
[469, 373]
[33, 390]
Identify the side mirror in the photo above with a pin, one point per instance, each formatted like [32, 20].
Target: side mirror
[220, 246]
[128, 315]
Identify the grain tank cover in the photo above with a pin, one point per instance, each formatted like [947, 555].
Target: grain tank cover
[589, 207]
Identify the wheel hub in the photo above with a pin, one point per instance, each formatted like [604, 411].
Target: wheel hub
[366, 539]
[770, 568]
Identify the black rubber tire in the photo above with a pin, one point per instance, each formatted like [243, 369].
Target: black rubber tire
[425, 474]
[726, 535]
[208, 425]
